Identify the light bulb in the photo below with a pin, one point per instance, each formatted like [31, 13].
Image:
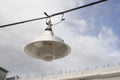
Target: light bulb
[48, 54]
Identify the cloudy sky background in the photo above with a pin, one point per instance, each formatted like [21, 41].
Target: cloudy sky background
[93, 34]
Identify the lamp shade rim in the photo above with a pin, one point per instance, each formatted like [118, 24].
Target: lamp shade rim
[58, 55]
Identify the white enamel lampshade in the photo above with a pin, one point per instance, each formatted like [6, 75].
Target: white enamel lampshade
[47, 47]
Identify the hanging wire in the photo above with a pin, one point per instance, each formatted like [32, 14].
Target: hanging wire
[62, 19]
[48, 16]
[49, 21]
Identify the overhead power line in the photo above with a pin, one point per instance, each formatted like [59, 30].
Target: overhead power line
[52, 15]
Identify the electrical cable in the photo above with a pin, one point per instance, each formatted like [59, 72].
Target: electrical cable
[48, 16]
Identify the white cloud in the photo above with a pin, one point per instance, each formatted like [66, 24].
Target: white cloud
[107, 37]
[13, 39]
[90, 50]
[82, 26]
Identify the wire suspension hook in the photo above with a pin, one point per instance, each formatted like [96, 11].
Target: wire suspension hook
[48, 22]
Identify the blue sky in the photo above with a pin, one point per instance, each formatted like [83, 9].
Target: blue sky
[92, 33]
[99, 16]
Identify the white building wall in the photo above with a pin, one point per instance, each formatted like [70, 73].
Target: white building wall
[112, 73]
[110, 78]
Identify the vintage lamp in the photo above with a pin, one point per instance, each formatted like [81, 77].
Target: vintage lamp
[47, 47]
